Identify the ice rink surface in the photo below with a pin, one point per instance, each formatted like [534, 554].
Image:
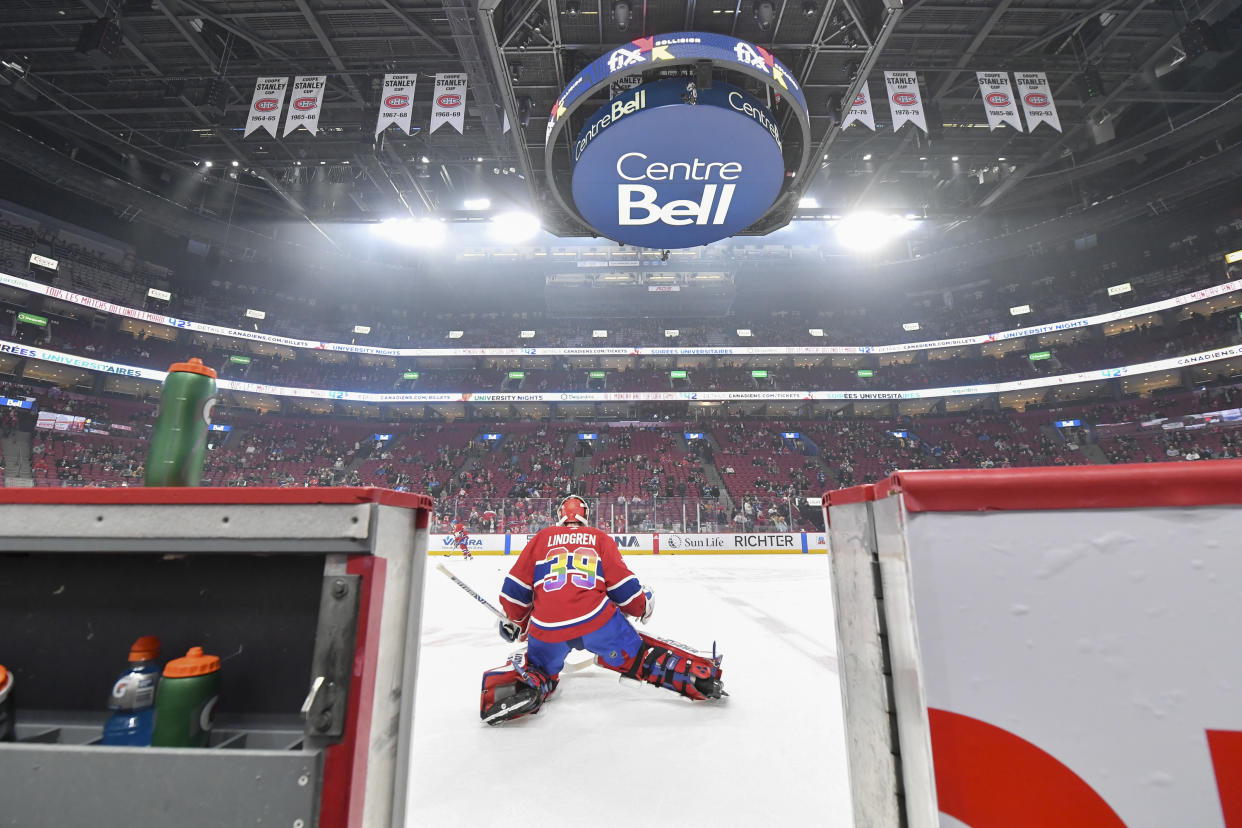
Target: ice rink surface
[601, 753]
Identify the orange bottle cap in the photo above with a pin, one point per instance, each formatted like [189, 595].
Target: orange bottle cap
[194, 663]
[146, 648]
[194, 366]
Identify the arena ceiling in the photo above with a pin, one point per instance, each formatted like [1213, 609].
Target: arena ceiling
[1140, 115]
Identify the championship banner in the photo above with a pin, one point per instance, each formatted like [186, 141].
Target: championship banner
[1037, 101]
[624, 84]
[904, 100]
[396, 103]
[449, 104]
[998, 100]
[861, 110]
[265, 105]
[304, 103]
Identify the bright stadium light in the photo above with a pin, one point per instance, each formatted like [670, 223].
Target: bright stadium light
[870, 231]
[424, 232]
[808, 203]
[514, 227]
[477, 204]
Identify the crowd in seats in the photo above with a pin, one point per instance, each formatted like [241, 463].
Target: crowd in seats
[754, 458]
[79, 459]
[995, 439]
[641, 477]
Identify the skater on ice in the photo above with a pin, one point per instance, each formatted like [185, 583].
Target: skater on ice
[571, 590]
[462, 539]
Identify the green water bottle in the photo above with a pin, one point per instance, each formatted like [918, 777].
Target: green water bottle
[180, 437]
[185, 703]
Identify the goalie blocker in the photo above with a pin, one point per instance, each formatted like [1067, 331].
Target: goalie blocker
[518, 688]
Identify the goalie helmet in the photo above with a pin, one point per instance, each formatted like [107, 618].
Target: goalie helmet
[573, 510]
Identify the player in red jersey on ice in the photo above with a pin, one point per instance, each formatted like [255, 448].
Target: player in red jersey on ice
[462, 538]
[571, 590]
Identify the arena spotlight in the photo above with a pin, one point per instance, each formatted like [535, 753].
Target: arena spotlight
[514, 226]
[809, 7]
[477, 204]
[424, 232]
[865, 231]
[621, 14]
[572, 8]
[206, 163]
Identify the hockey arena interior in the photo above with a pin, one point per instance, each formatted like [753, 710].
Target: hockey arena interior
[378, 353]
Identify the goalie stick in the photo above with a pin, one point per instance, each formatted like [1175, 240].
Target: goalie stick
[476, 596]
[568, 668]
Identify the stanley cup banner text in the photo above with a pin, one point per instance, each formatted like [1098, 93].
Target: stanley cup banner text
[265, 106]
[1037, 100]
[860, 110]
[449, 103]
[904, 99]
[998, 100]
[305, 103]
[396, 103]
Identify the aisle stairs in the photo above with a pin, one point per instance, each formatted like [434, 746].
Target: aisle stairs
[17, 454]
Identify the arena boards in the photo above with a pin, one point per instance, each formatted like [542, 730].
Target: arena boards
[658, 543]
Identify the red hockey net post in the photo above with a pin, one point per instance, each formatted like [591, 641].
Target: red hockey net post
[1054, 646]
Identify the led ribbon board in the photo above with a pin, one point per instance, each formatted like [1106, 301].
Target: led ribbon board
[651, 169]
[685, 132]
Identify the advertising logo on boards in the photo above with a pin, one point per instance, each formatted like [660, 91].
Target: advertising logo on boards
[305, 104]
[266, 104]
[449, 101]
[397, 101]
[655, 171]
[998, 99]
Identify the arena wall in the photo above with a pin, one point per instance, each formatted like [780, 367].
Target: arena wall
[659, 543]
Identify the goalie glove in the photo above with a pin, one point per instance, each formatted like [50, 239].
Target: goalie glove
[650, 604]
[510, 630]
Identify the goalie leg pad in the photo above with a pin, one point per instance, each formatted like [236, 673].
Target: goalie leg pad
[693, 675]
[513, 691]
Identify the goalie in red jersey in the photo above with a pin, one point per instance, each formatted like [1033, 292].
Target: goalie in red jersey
[571, 590]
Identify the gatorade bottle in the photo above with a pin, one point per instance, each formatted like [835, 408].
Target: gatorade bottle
[8, 725]
[133, 696]
[180, 437]
[185, 704]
